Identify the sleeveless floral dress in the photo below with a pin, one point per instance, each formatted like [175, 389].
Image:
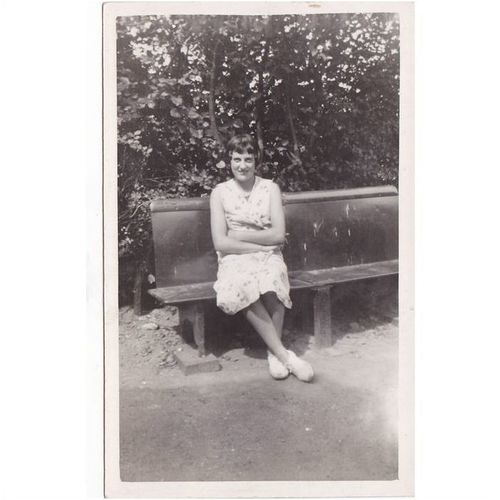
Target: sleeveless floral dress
[243, 278]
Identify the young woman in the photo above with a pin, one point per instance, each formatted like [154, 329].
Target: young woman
[248, 229]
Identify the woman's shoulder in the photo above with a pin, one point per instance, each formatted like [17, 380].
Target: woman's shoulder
[269, 184]
[221, 186]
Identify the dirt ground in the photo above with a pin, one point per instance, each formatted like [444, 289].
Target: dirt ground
[239, 424]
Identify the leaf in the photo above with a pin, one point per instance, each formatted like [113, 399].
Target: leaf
[176, 100]
[193, 114]
[196, 133]
[221, 164]
[174, 113]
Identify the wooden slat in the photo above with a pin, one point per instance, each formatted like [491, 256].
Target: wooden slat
[184, 293]
[331, 276]
[200, 291]
[180, 204]
[298, 280]
[339, 194]
[203, 203]
[296, 283]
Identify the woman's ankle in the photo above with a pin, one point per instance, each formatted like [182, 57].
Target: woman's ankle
[282, 355]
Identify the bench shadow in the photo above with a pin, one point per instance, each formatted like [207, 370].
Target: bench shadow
[355, 307]
[228, 333]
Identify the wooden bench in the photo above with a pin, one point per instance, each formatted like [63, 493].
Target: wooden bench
[332, 237]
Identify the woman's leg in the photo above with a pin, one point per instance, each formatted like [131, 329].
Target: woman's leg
[275, 309]
[261, 320]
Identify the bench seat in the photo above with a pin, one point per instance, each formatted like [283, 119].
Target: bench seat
[333, 236]
[184, 293]
[201, 291]
[324, 277]
[298, 280]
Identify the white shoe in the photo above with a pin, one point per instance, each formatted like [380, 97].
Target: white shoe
[300, 368]
[276, 368]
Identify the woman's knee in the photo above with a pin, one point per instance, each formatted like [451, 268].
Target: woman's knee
[254, 307]
[270, 300]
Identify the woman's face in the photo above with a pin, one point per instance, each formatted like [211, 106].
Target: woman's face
[243, 166]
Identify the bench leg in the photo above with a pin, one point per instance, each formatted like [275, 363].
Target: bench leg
[199, 329]
[322, 317]
[302, 311]
[194, 315]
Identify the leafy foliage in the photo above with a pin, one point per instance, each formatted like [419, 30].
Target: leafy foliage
[320, 93]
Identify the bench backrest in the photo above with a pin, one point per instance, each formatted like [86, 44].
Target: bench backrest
[324, 229]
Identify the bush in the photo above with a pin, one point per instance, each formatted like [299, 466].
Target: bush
[319, 92]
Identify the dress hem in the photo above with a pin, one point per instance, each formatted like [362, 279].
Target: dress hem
[284, 300]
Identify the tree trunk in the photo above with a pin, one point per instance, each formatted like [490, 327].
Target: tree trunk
[138, 291]
[259, 105]
[211, 98]
[319, 96]
[289, 115]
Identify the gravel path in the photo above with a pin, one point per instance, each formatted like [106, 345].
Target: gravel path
[239, 424]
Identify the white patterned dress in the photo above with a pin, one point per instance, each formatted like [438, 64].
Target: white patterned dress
[243, 278]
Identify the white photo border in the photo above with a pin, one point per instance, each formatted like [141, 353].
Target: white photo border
[404, 486]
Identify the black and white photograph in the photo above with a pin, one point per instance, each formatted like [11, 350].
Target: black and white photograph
[250, 249]
[258, 260]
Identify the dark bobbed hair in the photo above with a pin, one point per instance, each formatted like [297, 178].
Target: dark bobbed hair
[241, 143]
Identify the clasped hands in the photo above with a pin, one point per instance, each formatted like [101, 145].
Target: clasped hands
[244, 236]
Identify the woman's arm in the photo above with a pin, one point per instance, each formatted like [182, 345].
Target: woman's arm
[222, 242]
[275, 235]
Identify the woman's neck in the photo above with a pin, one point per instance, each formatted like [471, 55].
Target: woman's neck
[247, 186]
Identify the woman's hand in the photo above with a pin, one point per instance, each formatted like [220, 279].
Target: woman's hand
[246, 236]
[270, 248]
